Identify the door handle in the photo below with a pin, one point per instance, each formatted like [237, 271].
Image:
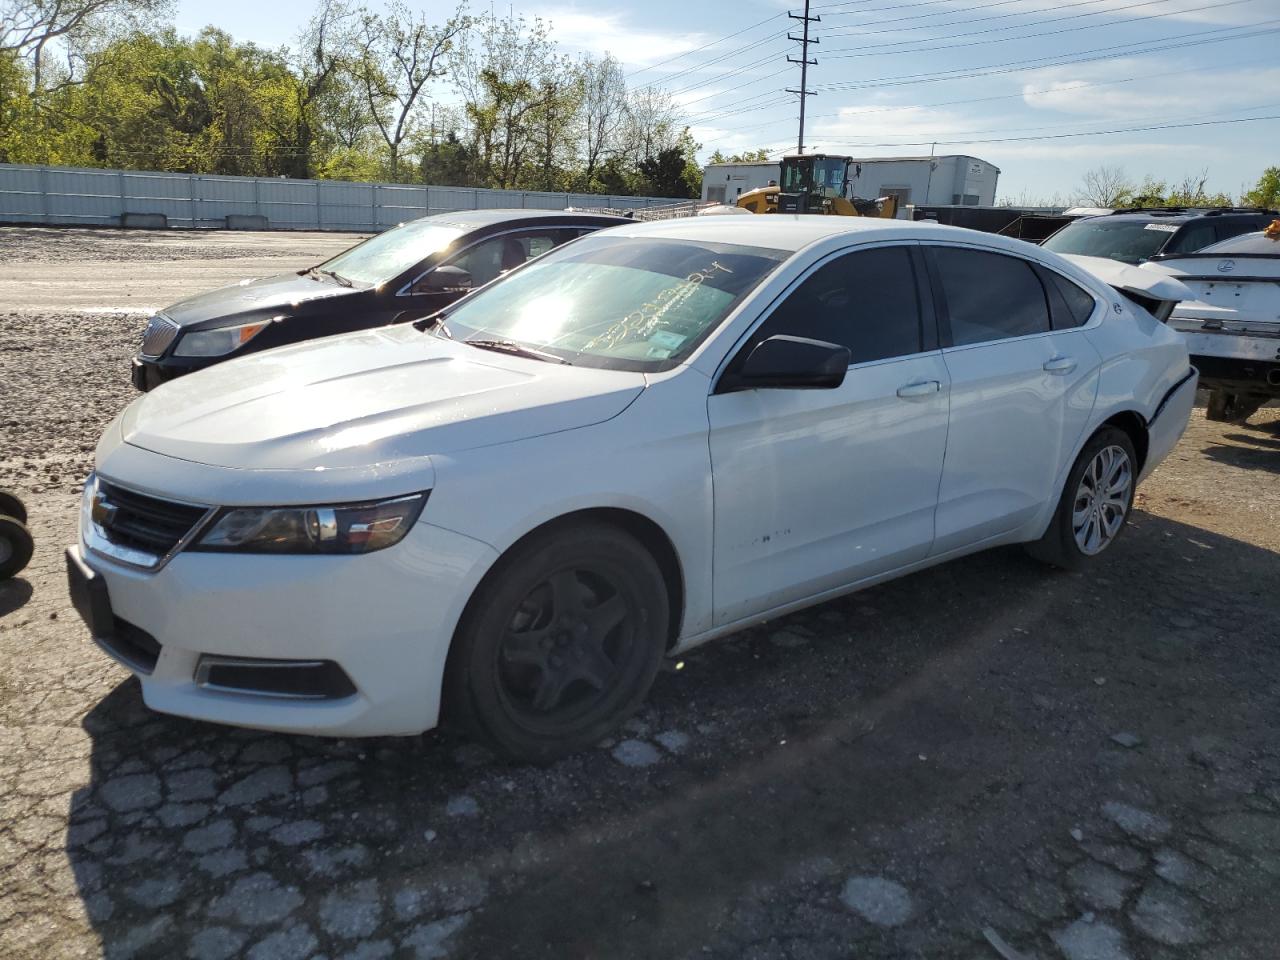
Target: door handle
[1060, 365]
[919, 389]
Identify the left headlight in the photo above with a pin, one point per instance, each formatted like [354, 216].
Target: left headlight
[215, 343]
[346, 528]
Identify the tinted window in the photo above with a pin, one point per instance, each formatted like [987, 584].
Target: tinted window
[990, 296]
[865, 301]
[1192, 237]
[1126, 240]
[1078, 303]
[491, 258]
[1226, 229]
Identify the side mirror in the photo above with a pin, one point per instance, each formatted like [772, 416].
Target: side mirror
[790, 363]
[444, 280]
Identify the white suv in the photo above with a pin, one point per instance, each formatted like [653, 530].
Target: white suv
[650, 437]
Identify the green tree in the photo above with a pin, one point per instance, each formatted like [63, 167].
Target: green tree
[1266, 192]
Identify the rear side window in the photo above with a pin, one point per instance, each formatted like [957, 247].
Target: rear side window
[1072, 305]
[1226, 229]
[990, 296]
[865, 301]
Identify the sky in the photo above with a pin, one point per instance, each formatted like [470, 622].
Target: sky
[1044, 89]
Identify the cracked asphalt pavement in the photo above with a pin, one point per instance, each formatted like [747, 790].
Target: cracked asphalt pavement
[986, 760]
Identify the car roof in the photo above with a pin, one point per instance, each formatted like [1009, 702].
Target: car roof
[780, 231]
[1182, 214]
[473, 219]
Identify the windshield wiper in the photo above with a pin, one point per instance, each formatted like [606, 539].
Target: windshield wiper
[434, 322]
[339, 278]
[516, 349]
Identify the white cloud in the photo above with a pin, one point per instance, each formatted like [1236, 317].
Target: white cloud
[598, 33]
[1191, 94]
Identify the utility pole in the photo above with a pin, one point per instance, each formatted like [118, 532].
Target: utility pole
[804, 40]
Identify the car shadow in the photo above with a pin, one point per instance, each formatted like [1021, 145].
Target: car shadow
[1249, 451]
[14, 595]
[190, 838]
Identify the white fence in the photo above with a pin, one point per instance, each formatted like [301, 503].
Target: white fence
[71, 196]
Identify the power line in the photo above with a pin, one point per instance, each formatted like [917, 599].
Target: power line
[705, 46]
[1007, 96]
[1195, 38]
[1061, 136]
[844, 52]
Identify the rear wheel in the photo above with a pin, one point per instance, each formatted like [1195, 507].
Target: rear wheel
[16, 547]
[560, 644]
[1095, 502]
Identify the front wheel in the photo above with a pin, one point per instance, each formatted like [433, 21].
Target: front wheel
[1095, 502]
[560, 644]
[16, 547]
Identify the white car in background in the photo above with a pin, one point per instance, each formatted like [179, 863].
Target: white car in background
[649, 437]
[1231, 320]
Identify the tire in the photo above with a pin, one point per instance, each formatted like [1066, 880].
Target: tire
[16, 547]
[11, 506]
[559, 644]
[1109, 453]
[1224, 407]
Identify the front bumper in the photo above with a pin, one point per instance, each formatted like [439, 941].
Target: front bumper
[147, 373]
[385, 619]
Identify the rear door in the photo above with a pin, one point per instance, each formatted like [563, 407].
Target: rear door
[1021, 391]
[815, 489]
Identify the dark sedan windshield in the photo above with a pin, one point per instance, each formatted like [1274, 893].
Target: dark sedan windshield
[630, 303]
[390, 254]
[1130, 241]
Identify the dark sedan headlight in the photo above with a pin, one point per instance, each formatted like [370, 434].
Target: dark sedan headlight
[346, 528]
[216, 343]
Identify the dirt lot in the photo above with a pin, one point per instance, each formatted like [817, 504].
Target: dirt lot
[986, 760]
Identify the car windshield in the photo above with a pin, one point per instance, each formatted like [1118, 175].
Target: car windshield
[1129, 241]
[628, 303]
[390, 254]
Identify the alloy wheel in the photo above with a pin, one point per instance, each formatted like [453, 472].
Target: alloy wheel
[1102, 500]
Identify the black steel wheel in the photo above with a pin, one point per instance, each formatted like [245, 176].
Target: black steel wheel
[11, 506]
[561, 642]
[16, 547]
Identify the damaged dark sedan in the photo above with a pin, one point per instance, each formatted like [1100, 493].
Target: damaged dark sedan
[406, 273]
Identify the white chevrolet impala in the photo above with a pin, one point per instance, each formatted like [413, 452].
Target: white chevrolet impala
[649, 437]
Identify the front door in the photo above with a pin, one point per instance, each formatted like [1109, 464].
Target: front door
[815, 489]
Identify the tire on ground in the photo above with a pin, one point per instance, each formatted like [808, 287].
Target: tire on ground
[16, 547]
[478, 691]
[1058, 546]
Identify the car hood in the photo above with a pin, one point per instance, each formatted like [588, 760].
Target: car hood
[261, 295]
[358, 400]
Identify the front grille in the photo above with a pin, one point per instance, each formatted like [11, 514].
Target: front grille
[159, 334]
[139, 522]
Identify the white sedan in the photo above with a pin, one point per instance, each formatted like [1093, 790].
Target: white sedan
[650, 437]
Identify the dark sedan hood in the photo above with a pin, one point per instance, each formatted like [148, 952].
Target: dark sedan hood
[284, 293]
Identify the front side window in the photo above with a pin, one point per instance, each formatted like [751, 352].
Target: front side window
[1129, 241]
[990, 296]
[866, 301]
[628, 303]
[386, 256]
[491, 258]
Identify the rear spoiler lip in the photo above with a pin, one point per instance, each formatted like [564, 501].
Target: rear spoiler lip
[1147, 284]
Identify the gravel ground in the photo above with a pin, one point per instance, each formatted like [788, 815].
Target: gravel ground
[985, 760]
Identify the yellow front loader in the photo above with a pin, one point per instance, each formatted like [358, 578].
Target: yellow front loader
[815, 183]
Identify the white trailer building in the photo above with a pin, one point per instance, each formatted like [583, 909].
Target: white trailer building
[950, 179]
